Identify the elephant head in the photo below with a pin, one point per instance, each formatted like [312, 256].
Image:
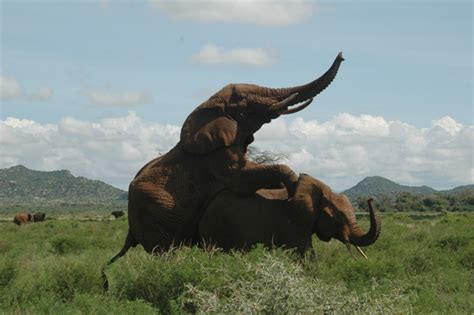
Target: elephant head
[236, 112]
[331, 215]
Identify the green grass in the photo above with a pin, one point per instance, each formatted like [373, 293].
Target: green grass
[417, 266]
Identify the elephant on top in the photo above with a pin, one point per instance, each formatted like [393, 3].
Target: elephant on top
[170, 194]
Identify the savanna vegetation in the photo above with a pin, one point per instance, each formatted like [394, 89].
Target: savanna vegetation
[54, 192]
[419, 265]
[436, 202]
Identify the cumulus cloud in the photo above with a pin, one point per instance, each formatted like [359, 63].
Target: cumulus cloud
[347, 148]
[112, 149]
[340, 151]
[258, 12]
[108, 97]
[214, 55]
[42, 94]
[9, 87]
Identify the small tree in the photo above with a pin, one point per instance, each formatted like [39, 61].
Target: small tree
[265, 157]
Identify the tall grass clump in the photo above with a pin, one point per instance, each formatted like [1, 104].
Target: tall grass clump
[276, 284]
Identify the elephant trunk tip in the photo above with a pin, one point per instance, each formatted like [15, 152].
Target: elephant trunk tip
[340, 57]
[358, 237]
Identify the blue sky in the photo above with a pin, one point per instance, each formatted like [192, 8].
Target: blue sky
[406, 61]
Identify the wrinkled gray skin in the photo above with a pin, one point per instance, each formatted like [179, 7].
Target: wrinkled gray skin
[271, 218]
[169, 195]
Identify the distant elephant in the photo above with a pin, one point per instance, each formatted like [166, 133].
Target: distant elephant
[117, 214]
[39, 216]
[271, 218]
[169, 195]
[22, 218]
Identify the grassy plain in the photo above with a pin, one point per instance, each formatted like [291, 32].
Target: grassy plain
[419, 265]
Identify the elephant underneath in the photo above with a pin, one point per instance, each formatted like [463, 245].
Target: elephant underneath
[271, 218]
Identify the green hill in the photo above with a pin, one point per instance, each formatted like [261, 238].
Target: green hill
[458, 190]
[377, 186]
[392, 197]
[23, 189]
[20, 186]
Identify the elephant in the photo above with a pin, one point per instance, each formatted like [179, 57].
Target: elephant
[271, 218]
[22, 218]
[117, 214]
[39, 216]
[169, 195]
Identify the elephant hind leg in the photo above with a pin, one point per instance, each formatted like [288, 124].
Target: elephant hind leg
[129, 243]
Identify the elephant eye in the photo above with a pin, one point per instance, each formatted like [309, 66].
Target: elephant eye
[241, 115]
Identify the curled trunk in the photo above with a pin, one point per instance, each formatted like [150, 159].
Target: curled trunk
[358, 237]
[307, 91]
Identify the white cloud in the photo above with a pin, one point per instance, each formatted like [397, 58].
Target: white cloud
[108, 97]
[42, 94]
[347, 148]
[256, 12]
[340, 151]
[112, 149]
[214, 55]
[9, 87]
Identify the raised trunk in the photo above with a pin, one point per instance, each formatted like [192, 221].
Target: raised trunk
[358, 237]
[307, 91]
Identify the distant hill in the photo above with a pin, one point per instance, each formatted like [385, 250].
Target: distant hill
[458, 190]
[376, 186]
[22, 186]
[23, 189]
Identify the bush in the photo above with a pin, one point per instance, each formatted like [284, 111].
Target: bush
[62, 245]
[279, 286]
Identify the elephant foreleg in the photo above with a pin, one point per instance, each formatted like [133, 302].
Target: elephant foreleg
[253, 177]
[232, 170]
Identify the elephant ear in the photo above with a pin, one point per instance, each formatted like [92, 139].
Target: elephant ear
[207, 129]
[304, 202]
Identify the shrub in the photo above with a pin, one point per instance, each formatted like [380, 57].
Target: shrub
[279, 286]
[7, 272]
[452, 243]
[62, 245]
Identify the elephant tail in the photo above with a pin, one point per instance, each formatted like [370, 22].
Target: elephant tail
[129, 243]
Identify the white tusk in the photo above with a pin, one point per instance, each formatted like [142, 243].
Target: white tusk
[298, 108]
[361, 252]
[284, 104]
